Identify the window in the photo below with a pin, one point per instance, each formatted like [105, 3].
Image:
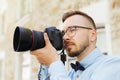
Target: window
[22, 66]
[26, 67]
[2, 65]
[101, 39]
[1, 25]
[104, 41]
[24, 7]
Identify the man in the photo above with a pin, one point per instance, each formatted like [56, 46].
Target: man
[80, 41]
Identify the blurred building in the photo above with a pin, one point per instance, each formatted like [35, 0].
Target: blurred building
[38, 14]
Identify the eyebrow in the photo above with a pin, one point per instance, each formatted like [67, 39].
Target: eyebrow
[81, 27]
[78, 27]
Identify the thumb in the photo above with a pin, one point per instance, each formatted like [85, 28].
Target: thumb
[46, 38]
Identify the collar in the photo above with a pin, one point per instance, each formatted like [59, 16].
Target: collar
[91, 58]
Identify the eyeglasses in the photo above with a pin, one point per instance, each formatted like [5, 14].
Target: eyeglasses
[71, 30]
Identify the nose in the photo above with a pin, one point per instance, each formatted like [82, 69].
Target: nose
[66, 37]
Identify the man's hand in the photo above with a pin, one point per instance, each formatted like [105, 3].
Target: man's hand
[47, 54]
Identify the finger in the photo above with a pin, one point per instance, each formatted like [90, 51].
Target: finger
[46, 38]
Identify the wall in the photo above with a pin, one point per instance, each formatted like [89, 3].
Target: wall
[41, 14]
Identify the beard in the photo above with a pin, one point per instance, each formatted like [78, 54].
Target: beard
[79, 51]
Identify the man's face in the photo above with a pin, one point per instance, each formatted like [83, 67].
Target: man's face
[78, 42]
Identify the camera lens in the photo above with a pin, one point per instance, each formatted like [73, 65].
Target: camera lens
[24, 39]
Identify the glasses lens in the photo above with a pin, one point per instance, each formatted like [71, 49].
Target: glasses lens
[71, 31]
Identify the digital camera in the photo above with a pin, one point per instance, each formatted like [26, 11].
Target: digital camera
[25, 39]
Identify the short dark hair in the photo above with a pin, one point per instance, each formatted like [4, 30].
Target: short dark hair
[71, 13]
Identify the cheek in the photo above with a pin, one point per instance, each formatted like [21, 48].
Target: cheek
[77, 42]
[82, 39]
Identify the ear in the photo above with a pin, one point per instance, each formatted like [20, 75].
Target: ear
[93, 35]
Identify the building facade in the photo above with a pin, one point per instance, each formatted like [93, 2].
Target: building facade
[38, 14]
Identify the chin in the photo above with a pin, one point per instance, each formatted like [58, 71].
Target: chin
[73, 53]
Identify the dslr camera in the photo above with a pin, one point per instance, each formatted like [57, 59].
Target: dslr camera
[25, 39]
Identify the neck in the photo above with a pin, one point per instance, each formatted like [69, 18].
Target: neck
[86, 52]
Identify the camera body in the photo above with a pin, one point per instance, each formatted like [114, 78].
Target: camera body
[25, 39]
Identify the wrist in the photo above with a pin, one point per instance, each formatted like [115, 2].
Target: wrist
[54, 60]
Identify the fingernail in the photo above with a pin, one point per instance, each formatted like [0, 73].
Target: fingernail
[45, 34]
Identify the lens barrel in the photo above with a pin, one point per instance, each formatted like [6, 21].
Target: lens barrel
[24, 39]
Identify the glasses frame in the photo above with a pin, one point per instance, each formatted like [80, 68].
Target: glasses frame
[75, 26]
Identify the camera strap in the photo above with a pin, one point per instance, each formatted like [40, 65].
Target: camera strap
[63, 56]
